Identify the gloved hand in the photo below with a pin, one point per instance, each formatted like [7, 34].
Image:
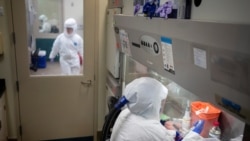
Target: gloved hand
[198, 126]
[178, 136]
[137, 8]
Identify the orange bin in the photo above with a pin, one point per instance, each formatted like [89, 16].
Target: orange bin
[212, 114]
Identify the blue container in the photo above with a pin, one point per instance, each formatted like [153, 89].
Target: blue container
[42, 62]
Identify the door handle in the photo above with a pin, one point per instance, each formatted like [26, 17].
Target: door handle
[88, 82]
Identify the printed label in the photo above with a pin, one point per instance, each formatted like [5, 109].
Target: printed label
[200, 58]
[167, 54]
[150, 45]
[125, 42]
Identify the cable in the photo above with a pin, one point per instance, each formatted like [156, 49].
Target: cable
[111, 118]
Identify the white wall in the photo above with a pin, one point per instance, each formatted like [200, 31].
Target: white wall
[74, 9]
[7, 71]
[128, 8]
[223, 11]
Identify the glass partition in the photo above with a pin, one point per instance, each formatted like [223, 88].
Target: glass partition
[177, 98]
[50, 18]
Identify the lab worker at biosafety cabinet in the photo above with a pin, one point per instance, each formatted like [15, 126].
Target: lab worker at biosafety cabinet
[140, 121]
[45, 25]
[69, 45]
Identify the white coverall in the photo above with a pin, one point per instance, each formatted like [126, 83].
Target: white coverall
[140, 121]
[69, 47]
[46, 26]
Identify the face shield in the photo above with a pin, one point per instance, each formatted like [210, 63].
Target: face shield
[69, 30]
[145, 96]
[70, 27]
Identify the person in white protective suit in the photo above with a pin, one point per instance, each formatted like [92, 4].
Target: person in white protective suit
[69, 45]
[45, 25]
[140, 121]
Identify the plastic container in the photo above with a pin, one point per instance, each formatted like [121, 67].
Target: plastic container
[215, 131]
[42, 59]
[186, 120]
[204, 111]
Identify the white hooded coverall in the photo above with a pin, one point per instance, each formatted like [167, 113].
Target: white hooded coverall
[69, 47]
[140, 121]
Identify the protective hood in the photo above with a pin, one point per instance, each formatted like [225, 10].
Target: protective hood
[43, 18]
[145, 95]
[70, 23]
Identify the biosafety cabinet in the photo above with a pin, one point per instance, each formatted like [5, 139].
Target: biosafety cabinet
[209, 61]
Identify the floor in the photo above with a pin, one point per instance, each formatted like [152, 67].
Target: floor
[75, 139]
[99, 135]
[52, 68]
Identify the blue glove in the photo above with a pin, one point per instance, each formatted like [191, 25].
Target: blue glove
[149, 9]
[178, 136]
[137, 8]
[198, 126]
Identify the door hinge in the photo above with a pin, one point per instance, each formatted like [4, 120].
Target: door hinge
[20, 130]
[14, 37]
[17, 86]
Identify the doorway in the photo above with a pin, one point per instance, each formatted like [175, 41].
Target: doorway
[54, 105]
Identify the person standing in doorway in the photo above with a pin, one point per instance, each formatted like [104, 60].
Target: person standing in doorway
[69, 46]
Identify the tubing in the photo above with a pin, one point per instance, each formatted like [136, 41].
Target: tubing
[111, 118]
[109, 123]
